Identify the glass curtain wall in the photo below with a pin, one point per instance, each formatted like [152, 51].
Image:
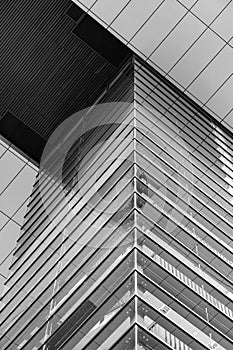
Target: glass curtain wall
[127, 242]
[184, 227]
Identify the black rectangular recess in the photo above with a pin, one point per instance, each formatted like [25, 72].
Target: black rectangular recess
[102, 41]
[23, 137]
[75, 12]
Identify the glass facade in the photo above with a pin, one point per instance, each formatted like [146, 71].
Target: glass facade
[127, 242]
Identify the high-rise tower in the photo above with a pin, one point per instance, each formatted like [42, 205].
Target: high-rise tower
[127, 239]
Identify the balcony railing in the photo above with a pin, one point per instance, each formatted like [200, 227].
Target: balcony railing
[168, 338]
[195, 287]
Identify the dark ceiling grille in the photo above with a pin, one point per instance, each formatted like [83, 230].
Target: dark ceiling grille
[55, 60]
[48, 72]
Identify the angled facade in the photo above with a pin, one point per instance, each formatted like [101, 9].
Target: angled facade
[127, 240]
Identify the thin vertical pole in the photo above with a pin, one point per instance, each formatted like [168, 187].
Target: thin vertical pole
[136, 336]
[48, 329]
[134, 148]
[208, 320]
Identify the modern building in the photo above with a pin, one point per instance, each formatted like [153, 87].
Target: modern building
[127, 238]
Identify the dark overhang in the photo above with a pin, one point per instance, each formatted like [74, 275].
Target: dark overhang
[55, 61]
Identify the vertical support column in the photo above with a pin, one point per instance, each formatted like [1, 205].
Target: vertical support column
[136, 336]
[135, 287]
[134, 151]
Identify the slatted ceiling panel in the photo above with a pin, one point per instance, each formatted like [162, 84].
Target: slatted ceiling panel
[67, 108]
[73, 80]
[48, 71]
[27, 23]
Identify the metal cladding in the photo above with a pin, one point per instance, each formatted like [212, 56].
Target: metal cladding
[127, 241]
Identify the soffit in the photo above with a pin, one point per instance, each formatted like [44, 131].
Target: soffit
[50, 68]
